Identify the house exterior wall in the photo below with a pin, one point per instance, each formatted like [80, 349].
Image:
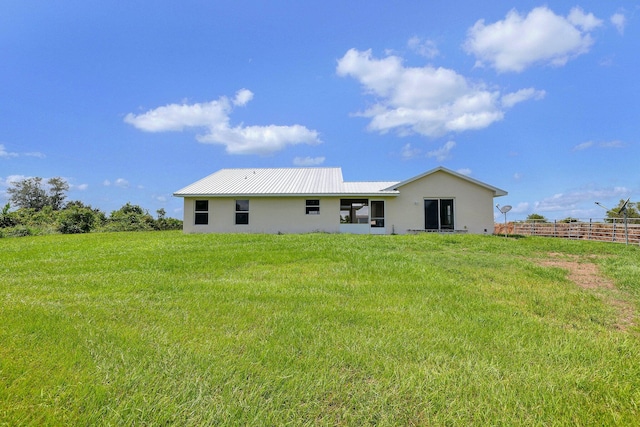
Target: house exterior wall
[473, 210]
[266, 215]
[473, 204]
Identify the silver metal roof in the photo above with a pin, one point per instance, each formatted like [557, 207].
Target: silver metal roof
[280, 181]
[299, 182]
[370, 187]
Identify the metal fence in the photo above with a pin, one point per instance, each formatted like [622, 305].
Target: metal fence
[609, 230]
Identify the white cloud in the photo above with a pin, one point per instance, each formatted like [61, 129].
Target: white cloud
[464, 171]
[426, 48]
[80, 187]
[586, 22]
[522, 207]
[583, 146]
[511, 99]
[175, 117]
[308, 161]
[122, 183]
[243, 96]
[37, 154]
[541, 37]
[444, 152]
[6, 182]
[603, 144]
[612, 144]
[428, 101]
[259, 139]
[619, 21]
[214, 117]
[571, 200]
[408, 152]
[13, 179]
[6, 154]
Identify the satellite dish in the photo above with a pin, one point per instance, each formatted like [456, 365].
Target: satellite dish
[624, 206]
[505, 209]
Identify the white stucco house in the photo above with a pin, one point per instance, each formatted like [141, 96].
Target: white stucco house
[304, 200]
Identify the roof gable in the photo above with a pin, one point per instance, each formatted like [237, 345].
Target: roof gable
[496, 191]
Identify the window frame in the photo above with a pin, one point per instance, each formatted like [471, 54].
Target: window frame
[376, 220]
[312, 207]
[349, 208]
[200, 215]
[242, 212]
[439, 213]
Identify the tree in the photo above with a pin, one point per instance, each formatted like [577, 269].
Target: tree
[29, 193]
[58, 188]
[536, 218]
[164, 223]
[632, 210]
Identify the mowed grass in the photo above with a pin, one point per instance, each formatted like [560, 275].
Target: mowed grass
[163, 328]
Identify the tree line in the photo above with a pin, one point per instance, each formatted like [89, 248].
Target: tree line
[633, 211]
[37, 207]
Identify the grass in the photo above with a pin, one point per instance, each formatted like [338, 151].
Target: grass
[169, 329]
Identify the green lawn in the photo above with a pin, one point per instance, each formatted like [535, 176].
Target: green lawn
[163, 328]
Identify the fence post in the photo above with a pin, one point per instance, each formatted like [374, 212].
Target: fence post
[589, 235]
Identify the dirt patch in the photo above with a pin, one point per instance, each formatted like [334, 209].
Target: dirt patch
[584, 274]
[587, 275]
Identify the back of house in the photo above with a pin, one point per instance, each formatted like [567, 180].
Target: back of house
[305, 200]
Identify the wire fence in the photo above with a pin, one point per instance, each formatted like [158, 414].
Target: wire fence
[601, 229]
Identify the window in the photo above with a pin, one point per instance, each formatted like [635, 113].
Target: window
[313, 207]
[242, 212]
[377, 213]
[201, 212]
[354, 211]
[438, 214]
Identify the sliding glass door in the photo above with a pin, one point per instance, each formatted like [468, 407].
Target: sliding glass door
[438, 214]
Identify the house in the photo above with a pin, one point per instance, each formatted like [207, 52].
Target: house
[303, 200]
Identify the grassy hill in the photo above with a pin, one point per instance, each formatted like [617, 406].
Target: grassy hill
[163, 328]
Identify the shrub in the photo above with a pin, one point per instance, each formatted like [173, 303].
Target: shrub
[76, 220]
[568, 220]
[6, 218]
[19, 231]
[168, 224]
[130, 218]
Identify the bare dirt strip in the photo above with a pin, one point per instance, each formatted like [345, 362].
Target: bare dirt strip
[587, 275]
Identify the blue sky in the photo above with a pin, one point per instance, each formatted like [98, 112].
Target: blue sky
[131, 101]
